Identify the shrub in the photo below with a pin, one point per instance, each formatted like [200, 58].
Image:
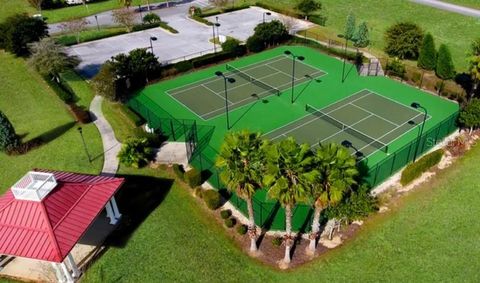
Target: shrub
[444, 68]
[8, 138]
[357, 204]
[151, 18]
[179, 171]
[144, 26]
[230, 222]
[403, 40]
[277, 241]
[201, 20]
[242, 229]
[396, 68]
[183, 66]
[212, 199]
[17, 31]
[225, 213]
[104, 83]
[231, 45]
[428, 55]
[271, 33]
[198, 192]
[415, 170]
[135, 152]
[318, 19]
[255, 44]
[81, 114]
[197, 11]
[307, 7]
[193, 178]
[164, 25]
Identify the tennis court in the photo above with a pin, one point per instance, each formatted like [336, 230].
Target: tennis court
[206, 98]
[366, 120]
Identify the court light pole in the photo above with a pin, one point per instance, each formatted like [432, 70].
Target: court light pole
[225, 80]
[266, 13]
[344, 56]
[294, 58]
[84, 144]
[417, 105]
[213, 40]
[96, 20]
[152, 38]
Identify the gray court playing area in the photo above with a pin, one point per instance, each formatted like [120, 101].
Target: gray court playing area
[366, 120]
[206, 98]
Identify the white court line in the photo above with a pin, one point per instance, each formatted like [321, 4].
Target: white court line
[214, 92]
[403, 105]
[343, 130]
[368, 111]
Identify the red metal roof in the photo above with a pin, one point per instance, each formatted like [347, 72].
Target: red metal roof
[48, 230]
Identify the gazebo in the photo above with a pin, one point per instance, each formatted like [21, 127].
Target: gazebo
[45, 214]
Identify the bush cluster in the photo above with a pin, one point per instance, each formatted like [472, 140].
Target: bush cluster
[356, 205]
[396, 68]
[17, 31]
[198, 192]
[415, 170]
[242, 229]
[212, 199]
[193, 178]
[136, 152]
[225, 213]
[230, 222]
[9, 140]
[277, 241]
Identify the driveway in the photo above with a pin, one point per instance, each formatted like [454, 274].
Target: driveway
[450, 7]
[193, 39]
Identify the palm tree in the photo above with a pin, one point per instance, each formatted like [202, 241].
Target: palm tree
[288, 163]
[241, 158]
[334, 173]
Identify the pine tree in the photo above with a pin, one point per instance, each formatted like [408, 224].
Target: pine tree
[428, 55]
[350, 27]
[362, 37]
[445, 69]
[8, 139]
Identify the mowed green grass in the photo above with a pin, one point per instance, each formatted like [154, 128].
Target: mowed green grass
[431, 236]
[454, 30]
[35, 110]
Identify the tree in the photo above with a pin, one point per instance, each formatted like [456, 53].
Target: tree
[287, 166]
[427, 58]
[104, 82]
[37, 4]
[474, 65]
[124, 17]
[350, 27]
[334, 173]
[308, 7]
[19, 30]
[233, 46]
[444, 69]
[255, 44]
[403, 40]
[8, 139]
[470, 116]
[362, 37]
[271, 33]
[75, 26]
[50, 58]
[242, 159]
[136, 152]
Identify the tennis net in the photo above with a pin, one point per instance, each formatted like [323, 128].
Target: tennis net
[254, 81]
[348, 129]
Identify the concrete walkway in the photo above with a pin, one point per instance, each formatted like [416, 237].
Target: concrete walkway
[111, 146]
[450, 7]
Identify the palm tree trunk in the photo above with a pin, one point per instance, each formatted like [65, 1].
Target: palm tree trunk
[288, 236]
[315, 228]
[252, 230]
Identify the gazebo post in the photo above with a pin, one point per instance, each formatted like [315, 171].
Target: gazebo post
[67, 273]
[110, 213]
[73, 265]
[116, 212]
[58, 272]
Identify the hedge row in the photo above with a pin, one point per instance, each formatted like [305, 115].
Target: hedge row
[226, 10]
[415, 170]
[278, 10]
[201, 20]
[165, 25]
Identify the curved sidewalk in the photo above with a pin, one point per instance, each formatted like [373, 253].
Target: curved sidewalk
[467, 11]
[111, 146]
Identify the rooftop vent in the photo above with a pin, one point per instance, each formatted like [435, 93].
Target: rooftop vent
[34, 186]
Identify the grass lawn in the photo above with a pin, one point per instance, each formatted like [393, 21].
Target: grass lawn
[467, 3]
[457, 31]
[432, 235]
[11, 7]
[35, 111]
[123, 126]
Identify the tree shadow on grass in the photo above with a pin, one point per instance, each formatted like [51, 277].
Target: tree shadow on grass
[43, 138]
[138, 197]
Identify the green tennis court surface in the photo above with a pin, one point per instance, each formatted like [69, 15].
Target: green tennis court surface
[366, 120]
[206, 98]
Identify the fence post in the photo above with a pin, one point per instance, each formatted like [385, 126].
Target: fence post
[173, 130]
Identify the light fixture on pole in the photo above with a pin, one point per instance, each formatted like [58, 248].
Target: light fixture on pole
[266, 13]
[417, 105]
[84, 144]
[348, 144]
[294, 58]
[152, 38]
[230, 80]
